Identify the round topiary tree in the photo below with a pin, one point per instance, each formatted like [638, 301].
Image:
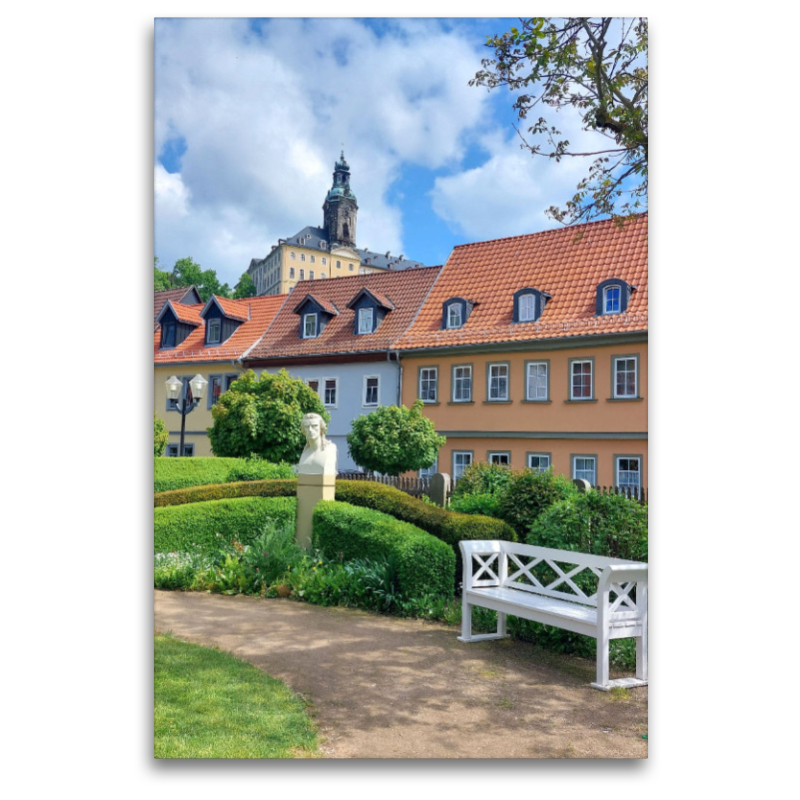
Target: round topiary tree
[160, 436]
[394, 439]
[528, 493]
[263, 415]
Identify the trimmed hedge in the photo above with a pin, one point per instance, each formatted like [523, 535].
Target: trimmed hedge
[225, 491]
[195, 526]
[424, 564]
[180, 473]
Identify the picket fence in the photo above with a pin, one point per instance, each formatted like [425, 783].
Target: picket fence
[419, 486]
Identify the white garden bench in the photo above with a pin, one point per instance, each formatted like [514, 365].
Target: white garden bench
[539, 584]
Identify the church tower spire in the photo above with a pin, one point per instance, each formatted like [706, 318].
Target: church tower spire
[340, 208]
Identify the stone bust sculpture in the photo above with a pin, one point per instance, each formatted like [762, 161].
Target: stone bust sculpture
[319, 456]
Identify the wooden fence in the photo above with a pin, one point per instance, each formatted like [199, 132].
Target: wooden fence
[419, 486]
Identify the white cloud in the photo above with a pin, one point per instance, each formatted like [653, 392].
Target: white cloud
[507, 194]
[264, 115]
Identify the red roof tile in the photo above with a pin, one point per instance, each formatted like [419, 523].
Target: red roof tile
[175, 295]
[257, 313]
[403, 291]
[567, 263]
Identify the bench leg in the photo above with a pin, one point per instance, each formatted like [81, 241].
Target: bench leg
[602, 661]
[641, 656]
[466, 626]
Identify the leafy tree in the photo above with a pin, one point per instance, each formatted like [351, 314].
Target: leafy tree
[394, 439]
[163, 280]
[245, 288]
[160, 436]
[528, 494]
[263, 415]
[598, 67]
[187, 273]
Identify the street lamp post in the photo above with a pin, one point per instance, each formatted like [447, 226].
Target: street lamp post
[185, 405]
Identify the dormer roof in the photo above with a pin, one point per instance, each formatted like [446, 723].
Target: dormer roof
[189, 315]
[379, 299]
[324, 305]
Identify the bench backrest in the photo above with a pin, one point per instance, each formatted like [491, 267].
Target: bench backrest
[562, 574]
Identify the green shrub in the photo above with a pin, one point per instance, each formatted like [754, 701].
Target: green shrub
[181, 473]
[482, 478]
[160, 436]
[424, 564]
[528, 493]
[237, 568]
[227, 491]
[485, 504]
[201, 526]
[602, 524]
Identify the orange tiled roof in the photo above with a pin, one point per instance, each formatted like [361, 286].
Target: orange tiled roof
[567, 263]
[232, 308]
[187, 314]
[260, 310]
[320, 301]
[175, 295]
[404, 290]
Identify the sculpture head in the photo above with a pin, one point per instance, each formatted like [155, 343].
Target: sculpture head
[314, 429]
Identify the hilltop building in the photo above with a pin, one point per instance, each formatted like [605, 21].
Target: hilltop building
[327, 252]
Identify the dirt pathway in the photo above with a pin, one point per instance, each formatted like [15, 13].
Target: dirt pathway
[383, 687]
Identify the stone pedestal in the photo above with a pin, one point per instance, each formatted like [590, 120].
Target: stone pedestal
[310, 490]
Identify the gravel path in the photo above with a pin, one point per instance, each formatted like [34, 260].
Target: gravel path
[382, 687]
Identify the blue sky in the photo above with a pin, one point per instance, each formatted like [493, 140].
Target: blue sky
[250, 116]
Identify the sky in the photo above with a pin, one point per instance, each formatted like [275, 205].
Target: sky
[250, 116]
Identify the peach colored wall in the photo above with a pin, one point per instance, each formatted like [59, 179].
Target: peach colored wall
[601, 416]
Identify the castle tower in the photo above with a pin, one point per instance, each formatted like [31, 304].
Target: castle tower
[340, 208]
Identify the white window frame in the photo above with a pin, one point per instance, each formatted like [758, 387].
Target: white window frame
[460, 381]
[315, 387]
[302, 256]
[456, 473]
[615, 371]
[538, 467]
[324, 261]
[366, 315]
[186, 446]
[311, 274]
[302, 274]
[313, 259]
[618, 471]
[429, 472]
[489, 377]
[572, 366]
[527, 311]
[584, 470]
[325, 389]
[292, 255]
[309, 316]
[528, 376]
[214, 325]
[291, 272]
[454, 316]
[607, 298]
[434, 379]
[364, 398]
[501, 453]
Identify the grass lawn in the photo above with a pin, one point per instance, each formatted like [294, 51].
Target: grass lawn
[209, 704]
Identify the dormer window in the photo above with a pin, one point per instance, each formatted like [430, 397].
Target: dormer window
[214, 331]
[611, 299]
[527, 308]
[168, 335]
[323, 245]
[315, 314]
[529, 304]
[365, 318]
[454, 315]
[370, 309]
[455, 312]
[613, 296]
[310, 326]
